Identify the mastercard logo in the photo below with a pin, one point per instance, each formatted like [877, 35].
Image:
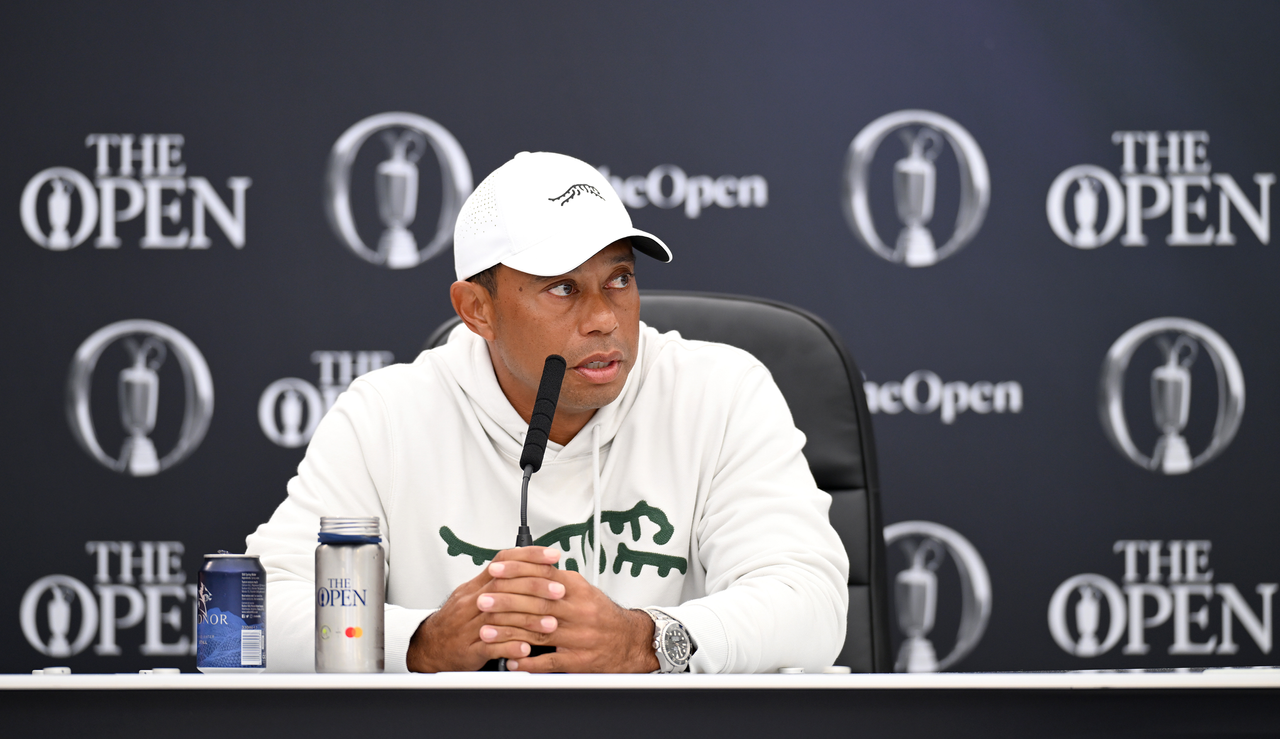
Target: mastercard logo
[355, 632]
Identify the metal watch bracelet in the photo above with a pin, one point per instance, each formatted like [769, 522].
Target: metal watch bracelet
[672, 644]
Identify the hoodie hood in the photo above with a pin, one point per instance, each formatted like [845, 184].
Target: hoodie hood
[466, 359]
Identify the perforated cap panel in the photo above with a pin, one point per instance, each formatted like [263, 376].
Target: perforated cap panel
[479, 216]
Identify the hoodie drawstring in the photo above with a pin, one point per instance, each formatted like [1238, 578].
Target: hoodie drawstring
[595, 494]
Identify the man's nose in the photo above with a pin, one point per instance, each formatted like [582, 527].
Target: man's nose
[598, 315]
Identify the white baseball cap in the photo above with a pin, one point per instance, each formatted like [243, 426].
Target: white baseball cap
[544, 214]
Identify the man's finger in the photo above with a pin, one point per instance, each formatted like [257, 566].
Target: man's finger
[518, 568]
[514, 603]
[537, 555]
[497, 634]
[498, 650]
[549, 662]
[571, 639]
[477, 583]
[535, 586]
[526, 621]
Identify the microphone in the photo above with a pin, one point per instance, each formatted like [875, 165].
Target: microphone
[535, 441]
[535, 446]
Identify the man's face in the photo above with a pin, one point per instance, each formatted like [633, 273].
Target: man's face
[590, 316]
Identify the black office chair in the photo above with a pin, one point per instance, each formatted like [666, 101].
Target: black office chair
[823, 387]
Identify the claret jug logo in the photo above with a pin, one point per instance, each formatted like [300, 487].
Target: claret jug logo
[1180, 343]
[290, 408]
[134, 175]
[60, 615]
[396, 187]
[925, 135]
[927, 546]
[1089, 614]
[147, 347]
[1175, 169]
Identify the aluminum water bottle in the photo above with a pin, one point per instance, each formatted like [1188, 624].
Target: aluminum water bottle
[350, 591]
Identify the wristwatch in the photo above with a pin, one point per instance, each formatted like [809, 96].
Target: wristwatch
[671, 642]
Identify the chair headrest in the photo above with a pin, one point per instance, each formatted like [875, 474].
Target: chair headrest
[807, 359]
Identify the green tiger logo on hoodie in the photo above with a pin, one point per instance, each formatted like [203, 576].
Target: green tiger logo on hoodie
[585, 533]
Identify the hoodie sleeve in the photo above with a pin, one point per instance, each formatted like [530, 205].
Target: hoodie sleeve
[776, 571]
[347, 471]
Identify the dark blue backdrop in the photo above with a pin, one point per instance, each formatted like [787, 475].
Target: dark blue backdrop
[770, 91]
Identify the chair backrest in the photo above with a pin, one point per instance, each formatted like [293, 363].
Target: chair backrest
[823, 388]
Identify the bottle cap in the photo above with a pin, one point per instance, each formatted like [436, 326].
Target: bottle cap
[349, 525]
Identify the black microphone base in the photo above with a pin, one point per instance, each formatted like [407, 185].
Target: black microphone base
[499, 665]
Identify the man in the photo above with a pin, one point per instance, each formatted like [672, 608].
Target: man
[674, 498]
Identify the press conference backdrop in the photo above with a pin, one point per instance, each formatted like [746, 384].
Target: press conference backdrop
[1044, 231]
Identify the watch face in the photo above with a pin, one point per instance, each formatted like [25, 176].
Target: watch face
[676, 645]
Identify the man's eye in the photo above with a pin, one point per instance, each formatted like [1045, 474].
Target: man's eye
[563, 291]
[622, 280]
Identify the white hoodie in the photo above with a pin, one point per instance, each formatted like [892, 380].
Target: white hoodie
[709, 509]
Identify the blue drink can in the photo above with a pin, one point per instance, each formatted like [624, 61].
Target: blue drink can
[231, 616]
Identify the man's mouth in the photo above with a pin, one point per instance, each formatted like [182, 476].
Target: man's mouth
[600, 369]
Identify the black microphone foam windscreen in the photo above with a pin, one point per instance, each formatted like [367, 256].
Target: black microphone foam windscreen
[544, 409]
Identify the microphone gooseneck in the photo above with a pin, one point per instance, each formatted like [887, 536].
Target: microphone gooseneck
[535, 446]
[523, 537]
[535, 441]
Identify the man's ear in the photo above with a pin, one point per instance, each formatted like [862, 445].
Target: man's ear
[474, 305]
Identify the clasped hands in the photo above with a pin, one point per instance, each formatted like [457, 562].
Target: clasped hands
[522, 600]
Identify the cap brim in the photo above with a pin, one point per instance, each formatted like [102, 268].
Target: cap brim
[560, 255]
